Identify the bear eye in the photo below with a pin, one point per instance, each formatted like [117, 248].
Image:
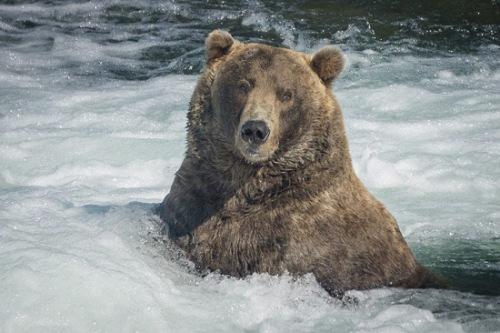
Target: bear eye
[244, 86]
[285, 96]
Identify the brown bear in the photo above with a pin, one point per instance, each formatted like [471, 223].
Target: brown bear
[267, 183]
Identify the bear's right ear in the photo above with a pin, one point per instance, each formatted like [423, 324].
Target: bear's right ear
[218, 44]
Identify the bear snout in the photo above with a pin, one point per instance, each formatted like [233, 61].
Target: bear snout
[255, 132]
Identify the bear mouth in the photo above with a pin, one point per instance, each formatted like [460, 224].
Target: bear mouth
[255, 154]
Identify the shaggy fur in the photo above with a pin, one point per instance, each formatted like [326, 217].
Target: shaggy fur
[302, 209]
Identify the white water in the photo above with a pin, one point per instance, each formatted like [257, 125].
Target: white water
[82, 162]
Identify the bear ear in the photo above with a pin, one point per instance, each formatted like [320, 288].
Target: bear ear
[218, 44]
[327, 63]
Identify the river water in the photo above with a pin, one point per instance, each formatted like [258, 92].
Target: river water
[93, 99]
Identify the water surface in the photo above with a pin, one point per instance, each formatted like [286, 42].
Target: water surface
[93, 99]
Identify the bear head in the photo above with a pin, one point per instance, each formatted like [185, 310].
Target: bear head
[268, 103]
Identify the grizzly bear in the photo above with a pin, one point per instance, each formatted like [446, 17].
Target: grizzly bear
[267, 183]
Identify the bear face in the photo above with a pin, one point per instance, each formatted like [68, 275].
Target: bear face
[265, 99]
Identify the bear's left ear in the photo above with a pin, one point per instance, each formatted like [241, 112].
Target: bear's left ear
[218, 44]
[327, 63]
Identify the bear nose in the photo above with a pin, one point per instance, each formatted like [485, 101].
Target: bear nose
[255, 131]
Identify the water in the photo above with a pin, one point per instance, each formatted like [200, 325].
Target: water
[93, 97]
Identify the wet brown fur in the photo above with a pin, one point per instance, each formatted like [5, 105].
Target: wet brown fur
[303, 210]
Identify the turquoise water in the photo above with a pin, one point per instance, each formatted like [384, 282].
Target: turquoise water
[93, 98]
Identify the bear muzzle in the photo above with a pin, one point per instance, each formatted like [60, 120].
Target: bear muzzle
[255, 141]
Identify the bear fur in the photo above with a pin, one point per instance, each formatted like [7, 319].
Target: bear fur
[292, 204]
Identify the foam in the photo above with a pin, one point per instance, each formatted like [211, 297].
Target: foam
[99, 267]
